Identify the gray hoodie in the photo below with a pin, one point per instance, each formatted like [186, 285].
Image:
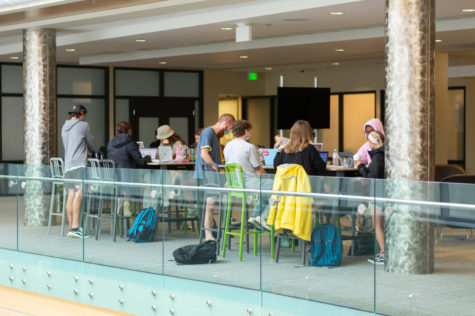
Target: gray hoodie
[77, 139]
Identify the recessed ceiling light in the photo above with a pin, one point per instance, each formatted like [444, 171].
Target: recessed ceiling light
[243, 57]
[337, 13]
[467, 10]
[268, 68]
[14, 57]
[438, 40]
[140, 40]
[162, 62]
[295, 20]
[339, 50]
[226, 28]
[336, 64]
[70, 50]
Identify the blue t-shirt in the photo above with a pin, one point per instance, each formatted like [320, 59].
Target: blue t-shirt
[208, 138]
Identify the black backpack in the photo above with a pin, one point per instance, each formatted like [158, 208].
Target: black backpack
[364, 244]
[194, 254]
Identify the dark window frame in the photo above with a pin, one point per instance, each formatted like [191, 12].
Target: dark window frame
[105, 97]
[161, 90]
[85, 96]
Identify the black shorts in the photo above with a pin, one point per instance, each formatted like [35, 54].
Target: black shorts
[76, 174]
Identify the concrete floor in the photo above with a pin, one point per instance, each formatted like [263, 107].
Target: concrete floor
[450, 290]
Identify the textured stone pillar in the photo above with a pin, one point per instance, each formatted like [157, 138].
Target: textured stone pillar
[410, 132]
[39, 93]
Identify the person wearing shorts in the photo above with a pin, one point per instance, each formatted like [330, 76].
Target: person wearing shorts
[209, 150]
[375, 170]
[77, 141]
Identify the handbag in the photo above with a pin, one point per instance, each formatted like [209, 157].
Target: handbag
[182, 153]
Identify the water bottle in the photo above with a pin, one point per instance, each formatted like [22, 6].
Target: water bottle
[192, 154]
[335, 158]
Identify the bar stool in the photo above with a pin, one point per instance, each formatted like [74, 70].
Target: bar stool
[111, 191]
[178, 200]
[57, 172]
[93, 195]
[235, 179]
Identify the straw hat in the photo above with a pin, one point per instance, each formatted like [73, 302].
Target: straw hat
[164, 131]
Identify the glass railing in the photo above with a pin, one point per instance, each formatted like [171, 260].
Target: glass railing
[266, 230]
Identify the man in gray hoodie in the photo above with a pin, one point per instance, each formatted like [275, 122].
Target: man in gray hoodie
[77, 140]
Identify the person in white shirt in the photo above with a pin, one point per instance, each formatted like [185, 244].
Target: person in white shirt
[240, 151]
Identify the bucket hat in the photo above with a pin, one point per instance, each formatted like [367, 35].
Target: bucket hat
[164, 132]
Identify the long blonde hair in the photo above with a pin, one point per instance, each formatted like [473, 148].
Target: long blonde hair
[300, 137]
[376, 138]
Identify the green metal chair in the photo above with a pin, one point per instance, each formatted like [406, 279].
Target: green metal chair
[235, 179]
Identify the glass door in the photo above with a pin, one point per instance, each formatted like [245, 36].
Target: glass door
[148, 113]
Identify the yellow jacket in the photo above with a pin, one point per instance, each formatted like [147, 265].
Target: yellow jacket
[292, 212]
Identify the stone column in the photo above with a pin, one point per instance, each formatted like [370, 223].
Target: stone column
[39, 93]
[410, 132]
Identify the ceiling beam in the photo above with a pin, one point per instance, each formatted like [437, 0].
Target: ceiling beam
[281, 41]
[196, 18]
[97, 16]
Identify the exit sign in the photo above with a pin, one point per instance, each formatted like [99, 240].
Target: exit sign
[252, 76]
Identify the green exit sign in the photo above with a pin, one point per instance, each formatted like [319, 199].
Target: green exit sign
[252, 76]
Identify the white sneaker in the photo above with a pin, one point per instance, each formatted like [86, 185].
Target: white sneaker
[77, 232]
[252, 221]
[258, 221]
[265, 225]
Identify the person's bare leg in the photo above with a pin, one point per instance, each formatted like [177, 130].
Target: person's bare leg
[378, 224]
[379, 229]
[76, 209]
[69, 206]
[208, 220]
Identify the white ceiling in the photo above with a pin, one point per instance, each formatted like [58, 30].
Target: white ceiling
[9, 6]
[187, 34]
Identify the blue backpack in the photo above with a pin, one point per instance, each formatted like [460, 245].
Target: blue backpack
[326, 246]
[144, 226]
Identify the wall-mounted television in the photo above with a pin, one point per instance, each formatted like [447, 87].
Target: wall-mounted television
[310, 104]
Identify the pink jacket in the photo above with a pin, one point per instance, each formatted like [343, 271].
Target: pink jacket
[363, 151]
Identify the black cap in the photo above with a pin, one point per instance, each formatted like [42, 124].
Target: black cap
[78, 108]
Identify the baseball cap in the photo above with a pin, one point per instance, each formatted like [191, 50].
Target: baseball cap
[78, 108]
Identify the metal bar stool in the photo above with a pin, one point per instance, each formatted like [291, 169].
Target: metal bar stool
[57, 172]
[178, 200]
[108, 173]
[93, 195]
